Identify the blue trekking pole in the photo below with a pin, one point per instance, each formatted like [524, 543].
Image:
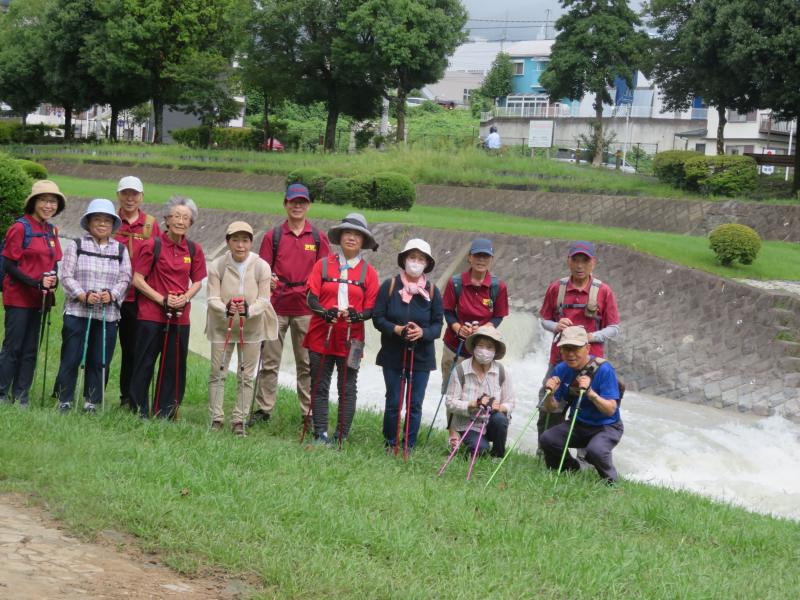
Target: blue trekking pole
[569, 435]
[82, 374]
[449, 377]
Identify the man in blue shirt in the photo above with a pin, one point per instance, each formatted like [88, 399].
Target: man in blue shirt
[598, 426]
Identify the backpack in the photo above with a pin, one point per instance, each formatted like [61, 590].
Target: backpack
[117, 257]
[276, 240]
[494, 290]
[147, 231]
[359, 282]
[591, 368]
[157, 249]
[460, 373]
[52, 233]
[590, 308]
[394, 279]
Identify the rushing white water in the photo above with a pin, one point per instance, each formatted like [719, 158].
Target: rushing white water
[735, 458]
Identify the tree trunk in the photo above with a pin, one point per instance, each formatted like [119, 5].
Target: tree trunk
[112, 129]
[158, 121]
[68, 124]
[24, 120]
[267, 132]
[401, 115]
[721, 110]
[330, 128]
[597, 126]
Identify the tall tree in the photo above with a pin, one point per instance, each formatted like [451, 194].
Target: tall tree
[412, 41]
[692, 58]
[497, 83]
[598, 41]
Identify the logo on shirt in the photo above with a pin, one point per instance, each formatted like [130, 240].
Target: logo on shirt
[187, 260]
[487, 302]
[311, 247]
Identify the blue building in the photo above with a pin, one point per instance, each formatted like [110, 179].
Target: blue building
[528, 97]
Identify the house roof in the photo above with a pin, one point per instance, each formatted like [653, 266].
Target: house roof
[474, 57]
[530, 48]
[693, 133]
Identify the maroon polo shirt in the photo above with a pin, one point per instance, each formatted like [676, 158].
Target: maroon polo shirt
[174, 271]
[39, 257]
[296, 257]
[474, 304]
[606, 312]
[132, 235]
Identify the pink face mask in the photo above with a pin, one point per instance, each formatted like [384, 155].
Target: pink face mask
[414, 268]
[483, 355]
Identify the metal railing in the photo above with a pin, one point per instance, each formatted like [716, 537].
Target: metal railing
[561, 111]
[769, 125]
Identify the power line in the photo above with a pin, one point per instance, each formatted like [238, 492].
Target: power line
[509, 21]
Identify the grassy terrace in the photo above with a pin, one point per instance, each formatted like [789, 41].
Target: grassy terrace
[777, 260]
[303, 522]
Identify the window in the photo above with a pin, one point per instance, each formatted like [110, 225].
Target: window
[519, 67]
[700, 148]
[748, 149]
[467, 97]
[737, 117]
[540, 65]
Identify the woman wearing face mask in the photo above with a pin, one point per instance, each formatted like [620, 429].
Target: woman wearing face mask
[480, 387]
[408, 313]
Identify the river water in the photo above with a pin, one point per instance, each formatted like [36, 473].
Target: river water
[736, 458]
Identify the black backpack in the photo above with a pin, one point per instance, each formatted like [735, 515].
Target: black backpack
[51, 233]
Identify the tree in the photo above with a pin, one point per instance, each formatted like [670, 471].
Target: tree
[597, 42]
[692, 57]
[497, 83]
[412, 41]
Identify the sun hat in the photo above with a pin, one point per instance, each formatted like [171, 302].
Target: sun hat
[481, 246]
[100, 206]
[573, 336]
[586, 248]
[295, 191]
[44, 186]
[353, 222]
[238, 227]
[422, 246]
[493, 334]
[130, 183]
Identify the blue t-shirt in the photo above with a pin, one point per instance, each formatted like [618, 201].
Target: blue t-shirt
[604, 383]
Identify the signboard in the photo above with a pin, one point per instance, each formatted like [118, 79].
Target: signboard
[540, 134]
[768, 169]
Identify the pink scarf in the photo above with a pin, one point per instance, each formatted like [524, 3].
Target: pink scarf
[410, 289]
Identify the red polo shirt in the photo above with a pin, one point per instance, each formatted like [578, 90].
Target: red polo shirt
[474, 304]
[174, 271]
[360, 299]
[606, 312]
[132, 235]
[297, 255]
[39, 257]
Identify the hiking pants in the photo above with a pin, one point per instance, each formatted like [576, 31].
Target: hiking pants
[73, 334]
[18, 356]
[271, 364]
[599, 441]
[448, 364]
[496, 432]
[322, 379]
[128, 325]
[392, 378]
[244, 380]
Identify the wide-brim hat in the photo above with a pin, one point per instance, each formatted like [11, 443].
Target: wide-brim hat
[421, 246]
[490, 332]
[353, 222]
[101, 206]
[45, 186]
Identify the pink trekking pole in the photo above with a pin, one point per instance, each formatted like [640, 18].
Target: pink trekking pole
[460, 441]
[477, 447]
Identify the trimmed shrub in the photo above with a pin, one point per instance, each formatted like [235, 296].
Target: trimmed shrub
[226, 138]
[312, 178]
[363, 191]
[15, 185]
[734, 242]
[393, 191]
[724, 175]
[668, 166]
[33, 169]
[339, 190]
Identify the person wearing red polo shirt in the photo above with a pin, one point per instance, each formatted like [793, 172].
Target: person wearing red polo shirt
[137, 227]
[291, 249]
[471, 299]
[580, 299]
[30, 253]
[341, 293]
[169, 271]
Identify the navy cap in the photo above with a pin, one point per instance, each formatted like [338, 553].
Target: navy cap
[586, 248]
[481, 246]
[297, 190]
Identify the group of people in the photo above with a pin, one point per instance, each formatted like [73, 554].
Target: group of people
[126, 274]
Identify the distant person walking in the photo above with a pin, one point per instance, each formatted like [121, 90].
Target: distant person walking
[493, 143]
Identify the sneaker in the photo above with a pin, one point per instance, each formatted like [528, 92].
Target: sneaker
[64, 407]
[258, 416]
[23, 405]
[321, 439]
[216, 425]
[88, 407]
[238, 430]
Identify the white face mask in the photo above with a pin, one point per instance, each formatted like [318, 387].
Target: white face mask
[483, 355]
[414, 267]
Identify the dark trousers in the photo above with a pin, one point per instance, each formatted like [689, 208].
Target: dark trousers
[128, 325]
[546, 419]
[18, 356]
[172, 367]
[599, 441]
[321, 374]
[496, 432]
[392, 379]
[73, 337]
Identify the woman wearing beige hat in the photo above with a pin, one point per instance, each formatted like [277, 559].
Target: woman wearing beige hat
[30, 255]
[239, 316]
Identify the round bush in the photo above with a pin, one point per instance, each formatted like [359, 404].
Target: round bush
[338, 190]
[15, 185]
[725, 175]
[313, 179]
[33, 169]
[393, 191]
[734, 242]
[362, 189]
[668, 166]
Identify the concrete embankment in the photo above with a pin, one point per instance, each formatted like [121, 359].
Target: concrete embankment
[686, 334]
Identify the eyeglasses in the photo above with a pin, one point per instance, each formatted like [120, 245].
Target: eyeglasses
[47, 200]
[186, 218]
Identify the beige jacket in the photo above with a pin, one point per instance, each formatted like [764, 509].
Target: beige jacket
[224, 283]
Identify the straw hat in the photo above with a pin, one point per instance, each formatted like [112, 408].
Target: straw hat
[493, 334]
[44, 186]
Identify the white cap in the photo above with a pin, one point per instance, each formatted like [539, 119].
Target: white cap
[130, 183]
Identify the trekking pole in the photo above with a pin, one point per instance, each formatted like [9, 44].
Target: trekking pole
[478, 444]
[519, 437]
[441, 398]
[103, 365]
[408, 402]
[240, 383]
[81, 382]
[161, 364]
[569, 435]
[39, 345]
[323, 359]
[225, 345]
[259, 365]
[343, 400]
[400, 399]
[460, 441]
[178, 314]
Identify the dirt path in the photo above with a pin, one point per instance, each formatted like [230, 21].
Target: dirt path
[38, 560]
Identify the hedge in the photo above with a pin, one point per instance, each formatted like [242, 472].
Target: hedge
[313, 179]
[393, 191]
[15, 185]
[668, 166]
[723, 175]
[226, 138]
[339, 190]
[12, 132]
[33, 169]
[733, 241]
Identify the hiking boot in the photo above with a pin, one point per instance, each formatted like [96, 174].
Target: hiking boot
[238, 429]
[23, 405]
[90, 408]
[64, 407]
[216, 425]
[321, 440]
[258, 416]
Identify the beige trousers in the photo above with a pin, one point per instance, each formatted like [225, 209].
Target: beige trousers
[271, 357]
[244, 381]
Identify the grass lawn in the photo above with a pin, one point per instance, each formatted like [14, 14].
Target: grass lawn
[320, 523]
[777, 260]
